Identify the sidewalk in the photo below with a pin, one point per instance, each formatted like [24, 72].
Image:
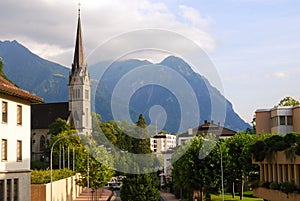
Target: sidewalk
[87, 195]
[168, 196]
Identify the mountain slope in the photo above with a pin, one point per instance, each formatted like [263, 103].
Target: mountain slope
[50, 81]
[39, 76]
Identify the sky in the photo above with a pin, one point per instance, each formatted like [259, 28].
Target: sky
[253, 44]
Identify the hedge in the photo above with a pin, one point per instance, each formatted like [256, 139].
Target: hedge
[43, 176]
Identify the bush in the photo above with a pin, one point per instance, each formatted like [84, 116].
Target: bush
[287, 187]
[290, 138]
[255, 184]
[274, 186]
[38, 165]
[280, 146]
[43, 176]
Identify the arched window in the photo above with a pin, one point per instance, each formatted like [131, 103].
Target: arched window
[42, 143]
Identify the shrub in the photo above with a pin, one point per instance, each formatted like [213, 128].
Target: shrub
[280, 146]
[255, 184]
[37, 165]
[43, 176]
[287, 187]
[274, 186]
[290, 138]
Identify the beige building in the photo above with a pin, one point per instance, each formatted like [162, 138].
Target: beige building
[15, 141]
[280, 169]
[279, 120]
[162, 142]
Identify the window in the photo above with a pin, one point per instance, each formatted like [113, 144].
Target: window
[19, 115]
[19, 150]
[8, 189]
[87, 94]
[4, 112]
[289, 120]
[282, 120]
[16, 189]
[1, 190]
[42, 143]
[4, 150]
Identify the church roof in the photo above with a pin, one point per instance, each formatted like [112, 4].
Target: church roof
[8, 88]
[42, 115]
[79, 57]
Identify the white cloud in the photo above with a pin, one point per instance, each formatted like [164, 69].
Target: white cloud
[48, 27]
[280, 74]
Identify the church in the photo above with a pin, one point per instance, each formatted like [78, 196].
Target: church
[77, 111]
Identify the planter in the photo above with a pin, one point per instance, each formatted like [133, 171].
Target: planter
[274, 195]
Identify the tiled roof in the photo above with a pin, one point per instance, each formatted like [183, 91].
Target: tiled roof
[6, 87]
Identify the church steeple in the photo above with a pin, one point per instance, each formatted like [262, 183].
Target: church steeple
[79, 87]
[79, 57]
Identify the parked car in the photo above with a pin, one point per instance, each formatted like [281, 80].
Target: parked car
[115, 186]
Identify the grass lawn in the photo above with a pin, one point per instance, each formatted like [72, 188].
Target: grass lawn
[228, 197]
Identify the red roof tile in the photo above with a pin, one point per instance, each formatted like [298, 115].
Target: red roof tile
[9, 88]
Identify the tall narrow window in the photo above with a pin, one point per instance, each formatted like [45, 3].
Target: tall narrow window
[19, 115]
[16, 189]
[289, 120]
[42, 143]
[86, 117]
[8, 189]
[4, 150]
[1, 190]
[19, 150]
[87, 94]
[282, 120]
[4, 112]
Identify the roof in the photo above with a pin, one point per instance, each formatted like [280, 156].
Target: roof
[210, 127]
[79, 57]
[42, 115]
[6, 87]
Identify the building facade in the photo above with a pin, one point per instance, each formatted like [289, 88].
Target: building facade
[162, 142]
[15, 141]
[77, 111]
[280, 120]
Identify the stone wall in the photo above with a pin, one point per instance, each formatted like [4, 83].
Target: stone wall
[275, 195]
[62, 190]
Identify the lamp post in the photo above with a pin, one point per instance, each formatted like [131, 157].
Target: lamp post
[51, 159]
[222, 176]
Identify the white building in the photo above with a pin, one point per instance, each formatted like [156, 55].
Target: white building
[15, 141]
[162, 142]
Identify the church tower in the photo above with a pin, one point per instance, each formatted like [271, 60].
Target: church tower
[79, 87]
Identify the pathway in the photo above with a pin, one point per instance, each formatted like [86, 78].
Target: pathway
[86, 195]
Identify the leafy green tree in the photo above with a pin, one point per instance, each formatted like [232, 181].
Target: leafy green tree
[288, 101]
[194, 172]
[142, 187]
[240, 160]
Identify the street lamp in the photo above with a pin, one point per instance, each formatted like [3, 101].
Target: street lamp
[51, 158]
[222, 176]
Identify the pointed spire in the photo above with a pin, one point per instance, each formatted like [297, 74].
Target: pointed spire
[79, 57]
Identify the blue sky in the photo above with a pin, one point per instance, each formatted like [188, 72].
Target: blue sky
[254, 44]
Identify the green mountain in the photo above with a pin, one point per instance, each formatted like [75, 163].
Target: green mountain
[50, 81]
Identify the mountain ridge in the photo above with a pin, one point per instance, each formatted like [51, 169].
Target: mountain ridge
[49, 80]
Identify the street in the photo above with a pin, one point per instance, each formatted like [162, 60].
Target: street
[116, 196]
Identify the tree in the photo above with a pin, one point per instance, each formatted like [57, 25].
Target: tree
[240, 160]
[288, 101]
[142, 187]
[193, 173]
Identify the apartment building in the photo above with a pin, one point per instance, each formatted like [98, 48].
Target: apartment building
[15, 141]
[162, 142]
[281, 120]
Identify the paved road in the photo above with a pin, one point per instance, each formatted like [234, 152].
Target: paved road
[116, 196]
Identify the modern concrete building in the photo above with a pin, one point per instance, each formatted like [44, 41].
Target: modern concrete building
[162, 142]
[15, 141]
[280, 169]
[280, 120]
